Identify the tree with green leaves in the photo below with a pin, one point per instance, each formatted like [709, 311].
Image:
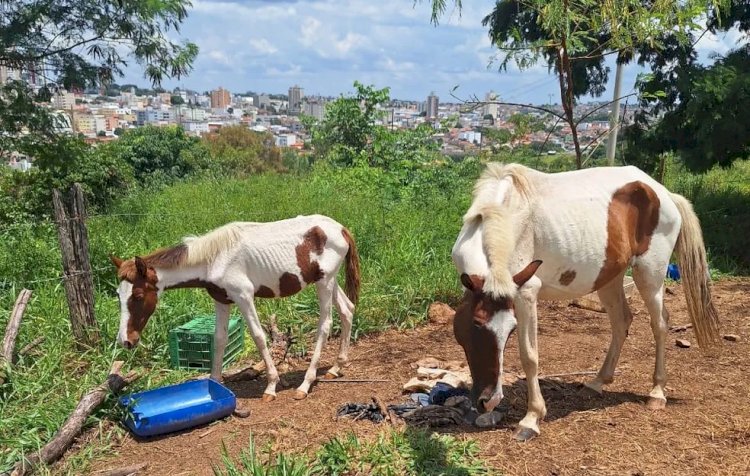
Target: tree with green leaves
[75, 45]
[159, 153]
[573, 37]
[699, 112]
[348, 124]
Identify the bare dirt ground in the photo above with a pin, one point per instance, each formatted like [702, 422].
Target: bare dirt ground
[705, 428]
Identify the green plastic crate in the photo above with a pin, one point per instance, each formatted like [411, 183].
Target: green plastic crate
[191, 346]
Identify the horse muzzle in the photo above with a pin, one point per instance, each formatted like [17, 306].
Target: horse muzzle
[489, 400]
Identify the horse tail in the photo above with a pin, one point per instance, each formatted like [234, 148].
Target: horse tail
[353, 278]
[695, 275]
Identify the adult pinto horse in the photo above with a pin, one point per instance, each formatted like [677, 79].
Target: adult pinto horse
[586, 227]
[240, 261]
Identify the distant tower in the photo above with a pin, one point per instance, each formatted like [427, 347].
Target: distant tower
[220, 98]
[296, 94]
[432, 106]
[491, 105]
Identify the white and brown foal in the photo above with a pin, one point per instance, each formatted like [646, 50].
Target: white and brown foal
[530, 235]
[240, 261]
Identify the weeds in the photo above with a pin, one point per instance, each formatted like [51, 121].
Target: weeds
[393, 452]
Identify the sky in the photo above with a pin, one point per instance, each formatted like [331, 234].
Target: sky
[325, 45]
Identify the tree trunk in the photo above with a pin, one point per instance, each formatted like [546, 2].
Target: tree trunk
[79, 287]
[565, 75]
[614, 119]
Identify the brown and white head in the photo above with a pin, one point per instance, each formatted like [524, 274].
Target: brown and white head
[482, 326]
[138, 295]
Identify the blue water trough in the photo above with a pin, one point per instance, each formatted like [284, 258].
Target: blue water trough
[177, 407]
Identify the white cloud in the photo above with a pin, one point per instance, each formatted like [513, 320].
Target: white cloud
[325, 45]
[263, 46]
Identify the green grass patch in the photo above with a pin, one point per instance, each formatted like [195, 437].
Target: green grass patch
[392, 452]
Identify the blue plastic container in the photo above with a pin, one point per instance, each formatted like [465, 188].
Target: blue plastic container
[177, 407]
[673, 272]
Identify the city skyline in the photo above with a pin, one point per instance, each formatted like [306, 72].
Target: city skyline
[325, 45]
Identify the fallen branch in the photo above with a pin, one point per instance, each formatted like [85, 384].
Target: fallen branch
[11, 331]
[30, 346]
[383, 409]
[353, 380]
[248, 373]
[206, 433]
[567, 374]
[124, 471]
[72, 427]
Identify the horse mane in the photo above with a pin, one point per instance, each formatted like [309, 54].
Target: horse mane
[204, 248]
[498, 231]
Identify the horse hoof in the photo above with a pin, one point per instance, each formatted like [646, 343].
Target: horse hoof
[524, 434]
[330, 376]
[299, 395]
[594, 386]
[267, 397]
[655, 403]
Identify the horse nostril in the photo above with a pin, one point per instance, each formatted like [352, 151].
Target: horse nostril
[481, 404]
[127, 344]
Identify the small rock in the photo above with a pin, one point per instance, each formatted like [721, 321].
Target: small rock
[680, 328]
[731, 337]
[683, 343]
[488, 420]
[427, 362]
[241, 412]
[440, 313]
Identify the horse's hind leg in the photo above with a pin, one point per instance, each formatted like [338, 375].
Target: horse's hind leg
[345, 309]
[612, 297]
[649, 279]
[325, 290]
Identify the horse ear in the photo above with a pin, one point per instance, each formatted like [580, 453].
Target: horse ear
[140, 266]
[115, 261]
[473, 283]
[525, 274]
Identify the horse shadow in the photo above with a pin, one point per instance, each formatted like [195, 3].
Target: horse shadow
[561, 398]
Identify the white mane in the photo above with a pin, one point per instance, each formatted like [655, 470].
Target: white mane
[201, 249]
[495, 205]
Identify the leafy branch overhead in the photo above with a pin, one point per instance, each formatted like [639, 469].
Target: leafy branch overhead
[80, 44]
[574, 37]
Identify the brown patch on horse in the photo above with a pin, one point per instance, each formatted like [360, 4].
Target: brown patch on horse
[289, 284]
[167, 257]
[265, 292]
[216, 292]
[314, 240]
[143, 298]
[632, 217]
[567, 277]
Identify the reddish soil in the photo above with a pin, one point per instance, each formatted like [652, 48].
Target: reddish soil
[705, 428]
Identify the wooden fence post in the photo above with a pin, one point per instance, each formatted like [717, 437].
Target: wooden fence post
[74, 245]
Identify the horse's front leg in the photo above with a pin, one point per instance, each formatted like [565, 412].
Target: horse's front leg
[247, 307]
[525, 305]
[220, 339]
